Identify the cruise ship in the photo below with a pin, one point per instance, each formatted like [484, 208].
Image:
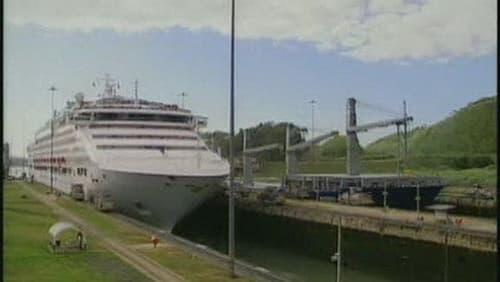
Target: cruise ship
[141, 158]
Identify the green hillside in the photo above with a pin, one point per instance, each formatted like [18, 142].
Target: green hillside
[334, 148]
[264, 133]
[470, 131]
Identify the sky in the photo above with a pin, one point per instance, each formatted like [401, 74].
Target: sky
[438, 56]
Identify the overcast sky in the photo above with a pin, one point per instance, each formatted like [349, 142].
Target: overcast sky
[436, 55]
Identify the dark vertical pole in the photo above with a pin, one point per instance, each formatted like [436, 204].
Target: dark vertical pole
[52, 89]
[313, 156]
[399, 154]
[339, 249]
[446, 253]
[405, 135]
[52, 143]
[353, 158]
[231, 153]
[24, 149]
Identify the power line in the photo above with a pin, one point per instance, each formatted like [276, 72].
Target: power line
[379, 108]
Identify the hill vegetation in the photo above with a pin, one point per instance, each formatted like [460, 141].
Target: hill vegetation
[466, 139]
[334, 148]
[470, 130]
[263, 134]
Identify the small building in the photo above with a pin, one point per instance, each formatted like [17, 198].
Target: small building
[441, 211]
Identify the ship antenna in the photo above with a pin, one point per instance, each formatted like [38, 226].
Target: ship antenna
[109, 86]
[136, 89]
[183, 95]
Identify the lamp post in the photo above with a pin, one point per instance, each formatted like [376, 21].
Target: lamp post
[52, 89]
[446, 250]
[418, 198]
[336, 258]
[385, 194]
[312, 102]
[231, 247]
[24, 150]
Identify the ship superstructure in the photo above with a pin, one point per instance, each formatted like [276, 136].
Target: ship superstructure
[145, 157]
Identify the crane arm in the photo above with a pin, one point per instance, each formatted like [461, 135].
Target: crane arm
[315, 140]
[384, 123]
[261, 149]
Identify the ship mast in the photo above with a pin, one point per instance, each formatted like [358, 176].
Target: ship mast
[136, 86]
[110, 86]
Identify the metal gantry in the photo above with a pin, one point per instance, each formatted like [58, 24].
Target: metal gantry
[352, 129]
[247, 158]
[312, 102]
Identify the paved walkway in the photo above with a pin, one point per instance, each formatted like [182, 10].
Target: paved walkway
[142, 263]
[474, 224]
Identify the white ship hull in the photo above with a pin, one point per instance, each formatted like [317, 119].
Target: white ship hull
[159, 199]
[156, 199]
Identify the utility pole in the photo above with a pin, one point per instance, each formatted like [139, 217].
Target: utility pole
[198, 151]
[183, 94]
[417, 198]
[246, 162]
[446, 251]
[52, 89]
[385, 194]
[312, 102]
[405, 135]
[24, 150]
[337, 257]
[231, 247]
[399, 154]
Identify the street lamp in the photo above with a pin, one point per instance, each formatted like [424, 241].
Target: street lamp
[52, 89]
[336, 258]
[231, 247]
[312, 102]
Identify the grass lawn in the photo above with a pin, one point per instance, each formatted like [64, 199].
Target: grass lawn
[26, 254]
[190, 267]
[487, 177]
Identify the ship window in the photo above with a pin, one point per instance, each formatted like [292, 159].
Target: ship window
[142, 126]
[149, 147]
[143, 117]
[106, 116]
[82, 116]
[116, 136]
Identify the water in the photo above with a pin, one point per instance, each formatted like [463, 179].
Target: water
[300, 251]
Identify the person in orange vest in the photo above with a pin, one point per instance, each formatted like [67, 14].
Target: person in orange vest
[155, 240]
